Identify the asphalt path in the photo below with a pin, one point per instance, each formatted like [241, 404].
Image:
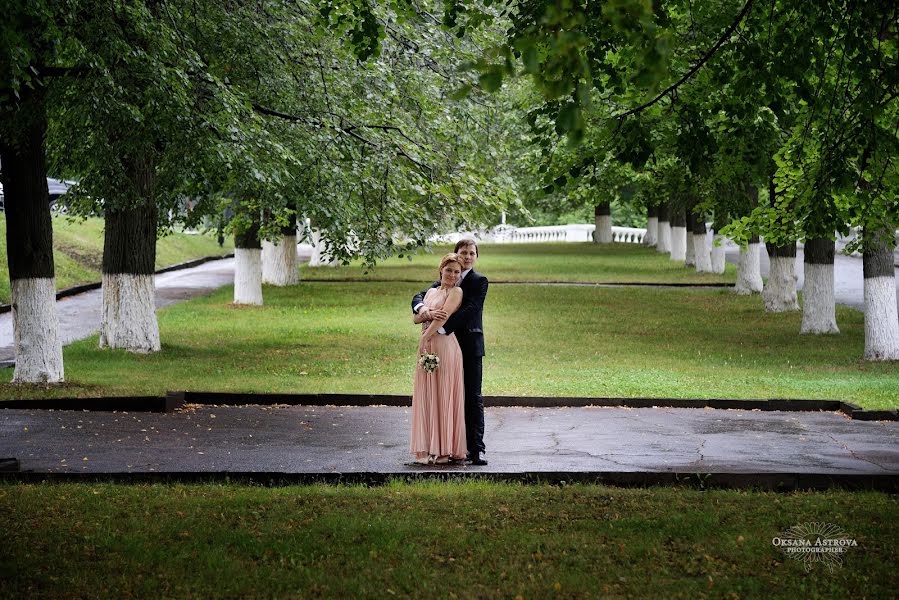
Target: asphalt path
[333, 439]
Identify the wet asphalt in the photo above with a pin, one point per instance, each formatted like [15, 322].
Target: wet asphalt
[334, 439]
[346, 440]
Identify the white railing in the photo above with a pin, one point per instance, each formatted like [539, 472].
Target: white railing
[579, 232]
[628, 235]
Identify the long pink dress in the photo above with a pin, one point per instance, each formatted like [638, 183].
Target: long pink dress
[438, 398]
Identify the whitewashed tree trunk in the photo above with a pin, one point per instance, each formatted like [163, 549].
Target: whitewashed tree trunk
[779, 294]
[663, 244]
[678, 243]
[248, 276]
[603, 218]
[881, 316]
[701, 252]
[718, 254]
[749, 273]
[652, 232]
[36, 331]
[818, 303]
[279, 261]
[29, 239]
[690, 254]
[319, 258]
[128, 314]
[678, 234]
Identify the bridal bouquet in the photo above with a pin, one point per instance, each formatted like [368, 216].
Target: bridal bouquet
[429, 362]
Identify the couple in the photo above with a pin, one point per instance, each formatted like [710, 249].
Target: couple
[447, 407]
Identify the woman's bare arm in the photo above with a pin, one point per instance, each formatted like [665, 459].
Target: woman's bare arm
[451, 305]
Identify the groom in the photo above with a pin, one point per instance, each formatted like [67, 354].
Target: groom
[469, 329]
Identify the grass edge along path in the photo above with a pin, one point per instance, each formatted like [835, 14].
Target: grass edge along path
[78, 251]
[541, 341]
[472, 539]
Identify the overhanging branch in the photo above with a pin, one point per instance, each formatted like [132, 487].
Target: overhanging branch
[711, 51]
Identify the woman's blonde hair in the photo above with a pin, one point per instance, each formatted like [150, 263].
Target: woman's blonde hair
[448, 258]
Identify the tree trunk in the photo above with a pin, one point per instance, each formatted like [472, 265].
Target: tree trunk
[29, 241]
[128, 314]
[718, 250]
[881, 315]
[779, 294]
[663, 242]
[701, 245]
[652, 226]
[678, 234]
[749, 272]
[690, 254]
[279, 258]
[319, 256]
[818, 305]
[248, 267]
[603, 216]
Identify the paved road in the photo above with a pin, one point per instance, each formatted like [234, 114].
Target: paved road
[304, 439]
[849, 282]
[79, 316]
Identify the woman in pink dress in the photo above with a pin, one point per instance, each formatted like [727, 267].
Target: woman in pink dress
[438, 398]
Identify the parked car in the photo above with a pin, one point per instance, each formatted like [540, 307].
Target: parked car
[57, 188]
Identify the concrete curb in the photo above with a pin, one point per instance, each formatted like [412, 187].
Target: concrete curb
[87, 287]
[780, 482]
[570, 283]
[174, 400]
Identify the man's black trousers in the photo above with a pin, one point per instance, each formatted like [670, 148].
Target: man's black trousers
[474, 404]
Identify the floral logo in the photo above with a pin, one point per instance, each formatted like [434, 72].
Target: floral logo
[815, 543]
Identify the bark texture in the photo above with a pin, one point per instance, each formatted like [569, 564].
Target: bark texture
[319, 256]
[248, 267]
[128, 312]
[818, 303]
[690, 254]
[779, 294]
[881, 314]
[36, 331]
[279, 261]
[603, 217]
[128, 317]
[749, 274]
[663, 240]
[29, 240]
[678, 234]
[652, 226]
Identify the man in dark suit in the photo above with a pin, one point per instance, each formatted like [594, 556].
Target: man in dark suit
[467, 324]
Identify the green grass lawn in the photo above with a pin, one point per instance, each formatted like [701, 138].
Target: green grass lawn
[78, 251]
[587, 262]
[541, 341]
[467, 540]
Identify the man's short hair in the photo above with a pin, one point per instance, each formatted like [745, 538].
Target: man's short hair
[467, 242]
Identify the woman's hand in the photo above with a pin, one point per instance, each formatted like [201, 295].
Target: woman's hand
[424, 345]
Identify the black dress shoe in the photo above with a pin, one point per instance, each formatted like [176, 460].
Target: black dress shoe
[476, 460]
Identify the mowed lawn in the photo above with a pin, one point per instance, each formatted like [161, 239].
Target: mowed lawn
[438, 539]
[543, 262]
[320, 337]
[78, 251]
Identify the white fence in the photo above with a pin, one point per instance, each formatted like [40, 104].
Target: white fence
[563, 233]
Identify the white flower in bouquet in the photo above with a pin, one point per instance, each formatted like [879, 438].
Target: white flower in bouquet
[429, 362]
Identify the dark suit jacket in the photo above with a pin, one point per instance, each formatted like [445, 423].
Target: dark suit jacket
[467, 322]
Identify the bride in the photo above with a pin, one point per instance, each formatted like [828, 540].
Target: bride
[438, 397]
